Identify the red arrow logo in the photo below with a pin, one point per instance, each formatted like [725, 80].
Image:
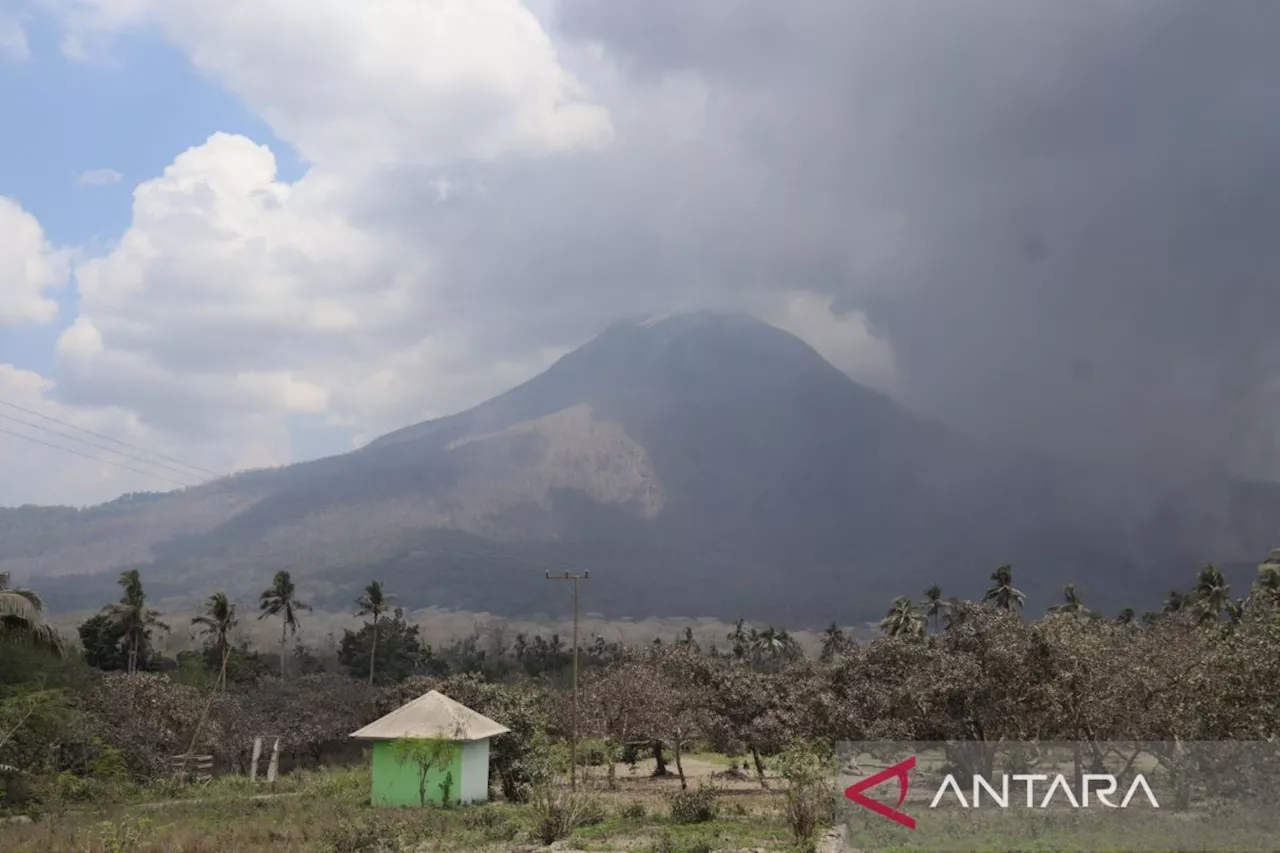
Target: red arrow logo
[898, 771]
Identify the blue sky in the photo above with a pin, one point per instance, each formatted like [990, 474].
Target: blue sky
[130, 113]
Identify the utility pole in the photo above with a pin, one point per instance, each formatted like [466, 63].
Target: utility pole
[573, 744]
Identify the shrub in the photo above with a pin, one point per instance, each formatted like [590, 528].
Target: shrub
[810, 796]
[665, 842]
[558, 812]
[632, 812]
[493, 824]
[123, 837]
[363, 835]
[700, 805]
[594, 753]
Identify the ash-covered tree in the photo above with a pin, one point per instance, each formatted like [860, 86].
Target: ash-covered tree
[137, 621]
[934, 606]
[281, 599]
[401, 650]
[22, 618]
[902, 620]
[1003, 594]
[102, 642]
[216, 622]
[374, 601]
[1071, 604]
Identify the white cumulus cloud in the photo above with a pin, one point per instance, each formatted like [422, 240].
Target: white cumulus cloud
[30, 267]
[236, 297]
[380, 81]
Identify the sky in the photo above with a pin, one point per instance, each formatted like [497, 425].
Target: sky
[248, 232]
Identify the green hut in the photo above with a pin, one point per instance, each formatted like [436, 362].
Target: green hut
[426, 746]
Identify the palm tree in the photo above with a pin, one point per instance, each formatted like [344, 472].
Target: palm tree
[902, 620]
[1212, 595]
[218, 619]
[1267, 586]
[22, 618]
[934, 606]
[1003, 595]
[1072, 604]
[374, 602]
[740, 639]
[1176, 602]
[281, 600]
[134, 617]
[833, 641]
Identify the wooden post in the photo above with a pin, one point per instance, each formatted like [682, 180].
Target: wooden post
[274, 766]
[253, 764]
[573, 743]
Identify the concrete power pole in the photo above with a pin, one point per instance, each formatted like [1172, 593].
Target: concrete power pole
[573, 744]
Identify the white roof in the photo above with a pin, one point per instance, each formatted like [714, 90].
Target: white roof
[432, 715]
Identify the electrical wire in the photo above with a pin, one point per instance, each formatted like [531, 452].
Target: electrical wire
[95, 458]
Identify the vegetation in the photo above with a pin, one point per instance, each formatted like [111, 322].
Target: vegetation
[280, 599]
[425, 755]
[218, 619]
[97, 730]
[22, 618]
[374, 602]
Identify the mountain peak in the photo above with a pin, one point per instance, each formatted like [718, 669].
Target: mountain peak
[690, 321]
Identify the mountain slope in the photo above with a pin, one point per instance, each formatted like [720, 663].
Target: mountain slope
[698, 464]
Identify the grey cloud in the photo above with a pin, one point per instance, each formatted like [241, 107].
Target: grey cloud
[1061, 215]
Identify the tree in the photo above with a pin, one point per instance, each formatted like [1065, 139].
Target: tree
[1003, 595]
[403, 652]
[280, 599]
[902, 619]
[102, 640]
[1267, 585]
[834, 641]
[374, 602]
[1175, 603]
[22, 617]
[1072, 605]
[1211, 596]
[934, 606]
[135, 619]
[218, 619]
[425, 754]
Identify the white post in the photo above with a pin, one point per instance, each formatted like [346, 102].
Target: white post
[274, 766]
[253, 765]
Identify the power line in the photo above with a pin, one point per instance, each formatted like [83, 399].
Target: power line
[109, 438]
[94, 458]
[124, 453]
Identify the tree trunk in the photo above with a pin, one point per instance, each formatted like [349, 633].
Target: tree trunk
[755, 756]
[684, 785]
[659, 760]
[373, 649]
[222, 675]
[283, 626]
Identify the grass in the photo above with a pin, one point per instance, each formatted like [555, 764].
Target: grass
[328, 812]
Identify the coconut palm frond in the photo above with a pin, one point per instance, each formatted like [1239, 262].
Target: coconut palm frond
[15, 605]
